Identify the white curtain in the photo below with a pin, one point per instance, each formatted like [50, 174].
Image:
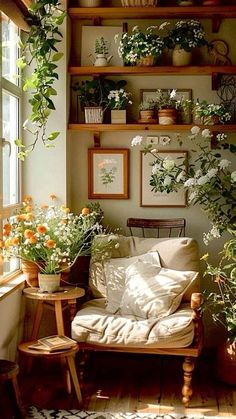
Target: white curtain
[11, 9]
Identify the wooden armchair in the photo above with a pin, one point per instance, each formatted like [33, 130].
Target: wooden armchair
[99, 326]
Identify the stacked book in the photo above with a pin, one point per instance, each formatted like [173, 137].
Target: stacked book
[53, 343]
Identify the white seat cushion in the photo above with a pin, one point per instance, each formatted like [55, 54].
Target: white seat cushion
[93, 324]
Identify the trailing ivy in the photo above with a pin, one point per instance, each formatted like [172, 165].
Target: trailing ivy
[40, 51]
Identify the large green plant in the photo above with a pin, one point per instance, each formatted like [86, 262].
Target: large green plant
[40, 51]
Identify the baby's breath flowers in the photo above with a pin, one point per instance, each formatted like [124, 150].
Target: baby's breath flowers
[50, 236]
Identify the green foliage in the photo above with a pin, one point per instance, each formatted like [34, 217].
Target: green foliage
[101, 46]
[40, 50]
[147, 105]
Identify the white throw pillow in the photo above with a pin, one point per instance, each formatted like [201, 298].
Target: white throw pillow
[152, 294]
[115, 275]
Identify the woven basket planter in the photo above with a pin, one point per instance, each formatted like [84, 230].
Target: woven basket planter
[139, 3]
[148, 61]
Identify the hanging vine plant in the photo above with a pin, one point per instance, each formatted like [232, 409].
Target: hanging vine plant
[40, 51]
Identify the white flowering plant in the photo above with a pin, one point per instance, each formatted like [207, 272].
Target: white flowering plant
[209, 180]
[205, 111]
[50, 236]
[188, 34]
[119, 99]
[140, 44]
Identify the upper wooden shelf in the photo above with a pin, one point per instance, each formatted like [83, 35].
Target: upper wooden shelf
[147, 127]
[203, 12]
[186, 70]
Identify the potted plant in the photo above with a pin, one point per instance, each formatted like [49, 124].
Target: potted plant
[140, 48]
[183, 38]
[101, 58]
[40, 50]
[210, 113]
[167, 105]
[147, 110]
[118, 100]
[51, 237]
[93, 98]
[221, 304]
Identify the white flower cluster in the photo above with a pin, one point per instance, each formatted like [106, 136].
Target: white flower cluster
[119, 99]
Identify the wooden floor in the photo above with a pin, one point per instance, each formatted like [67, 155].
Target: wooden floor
[129, 383]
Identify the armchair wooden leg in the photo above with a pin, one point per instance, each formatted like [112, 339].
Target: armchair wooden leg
[188, 367]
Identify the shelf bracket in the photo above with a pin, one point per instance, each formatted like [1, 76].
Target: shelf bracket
[216, 22]
[96, 139]
[215, 80]
[97, 21]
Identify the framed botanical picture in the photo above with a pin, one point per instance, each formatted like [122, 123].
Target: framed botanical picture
[108, 173]
[185, 115]
[151, 198]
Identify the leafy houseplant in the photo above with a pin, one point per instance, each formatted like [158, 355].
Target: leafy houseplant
[40, 49]
[138, 45]
[167, 106]
[187, 34]
[210, 113]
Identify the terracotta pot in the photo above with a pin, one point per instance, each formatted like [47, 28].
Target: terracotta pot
[147, 116]
[30, 270]
[226, 363]
[49, 282]
[138, 3]
[167, 116]
[180, 57]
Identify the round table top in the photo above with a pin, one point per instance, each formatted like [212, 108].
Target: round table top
[65, 293]
[24, 348]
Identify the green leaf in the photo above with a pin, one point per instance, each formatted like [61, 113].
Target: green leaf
[20, 62]
[19, 143]
[57, 56]
[53, 136]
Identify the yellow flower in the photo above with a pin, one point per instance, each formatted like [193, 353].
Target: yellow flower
[52, 196]
[205, 257]
[85, 211]
[50, 244]
[28, 233]
[29, 216]
[15, 241]
[41, 229]
[33, 239]
[27, 199]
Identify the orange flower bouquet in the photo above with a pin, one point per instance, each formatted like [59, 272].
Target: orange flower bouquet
[50, 236]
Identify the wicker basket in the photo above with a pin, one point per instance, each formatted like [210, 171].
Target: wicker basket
[148, 61]
[139, 3]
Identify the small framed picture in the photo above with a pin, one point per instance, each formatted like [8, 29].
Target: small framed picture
[185, 115]
[108, 176]
[150, 198]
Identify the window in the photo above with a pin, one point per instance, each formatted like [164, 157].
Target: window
[10, 98]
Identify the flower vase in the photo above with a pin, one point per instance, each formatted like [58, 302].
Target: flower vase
[180, 57]
[49, 282]
[118, 116]
[30, 270]
[167, 116]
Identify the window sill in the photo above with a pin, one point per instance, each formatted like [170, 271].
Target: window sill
[11, 285]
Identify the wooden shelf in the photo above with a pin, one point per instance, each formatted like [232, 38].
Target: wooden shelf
[203, 12]
[147, 127]
[135, 70]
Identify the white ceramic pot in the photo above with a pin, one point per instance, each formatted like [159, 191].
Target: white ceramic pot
[49, 282]
[180, 57]
[93, 115]
[118, 116]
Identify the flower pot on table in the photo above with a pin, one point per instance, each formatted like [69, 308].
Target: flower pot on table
[49, 282]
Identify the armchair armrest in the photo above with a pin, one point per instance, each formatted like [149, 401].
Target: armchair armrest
[196, 303]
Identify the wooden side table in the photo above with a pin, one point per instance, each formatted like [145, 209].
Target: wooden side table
[68, 354]
[68, 294]
[8, 372]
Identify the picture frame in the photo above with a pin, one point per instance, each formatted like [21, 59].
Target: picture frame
[148, 198]
[184, 117]
[89, 35]
[108, 173]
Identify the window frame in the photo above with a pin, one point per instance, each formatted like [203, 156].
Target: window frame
[8, 210]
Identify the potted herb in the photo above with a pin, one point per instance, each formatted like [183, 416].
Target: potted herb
[101, 58]
[210, 113]
[167, 105]
[118, 100]
[147, 110]
[140, 48]
[40, 49]
[183, 38]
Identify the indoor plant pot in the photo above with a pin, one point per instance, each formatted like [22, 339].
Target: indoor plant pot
[226, 362]
[167, 116]
[30, 270]
[180, 57]
[93, 114]
[49, 282]
[118, 116]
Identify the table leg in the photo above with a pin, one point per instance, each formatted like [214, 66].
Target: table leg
[72, 308]
[37, 320]
[71, 364]
[59, 318]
